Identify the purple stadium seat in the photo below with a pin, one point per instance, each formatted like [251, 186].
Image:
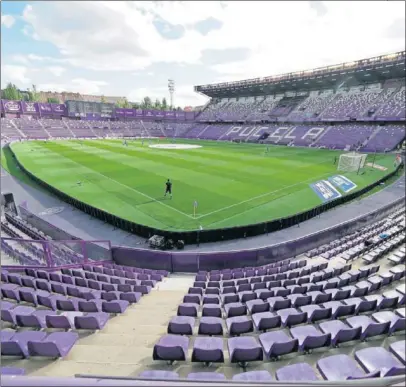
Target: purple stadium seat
[30, 295]
[209, 376]
[158, 374]
[210, 326]
[12, 371]
[195, 291]
[319, 297]
[266, 320]
[369, 328]
[247, 296]
[299, 300]
[291, 316]
[55, 345]
[390, 301]
[264, 294]
[10, 315]
[229, 298]
[238, 325]
[339, 309]
[90, 306]
[340, 332]
[378, 358]
[257, 306]
[34, 320]
[310, 338]
[208, 350]
[115, 307]
[361, 306]
[398, 349]
[64, 320]
[253, 376]
[181, 325]
[278, 302]
[235, 309]
[277, 343]
[50, 301]
[244, 349]
[91, 321]
[397, 323]
[211, 299]
[171, 348]
[211, 311]
[341, 367]
[401, 312]
[16, 344]
[316, 312]
[131, 297]
[296, 372]
[188, 309]
[192, 299]
[10, 291]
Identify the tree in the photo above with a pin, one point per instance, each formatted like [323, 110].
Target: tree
[179, 109]
[157, 104]
[136, 105]
[126, 104]
[164, 104]
[33, 96]
[103, 99]
[12, 93]
[53, 100]
[146, 103]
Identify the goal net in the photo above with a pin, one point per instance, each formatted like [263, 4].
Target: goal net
[351, 162]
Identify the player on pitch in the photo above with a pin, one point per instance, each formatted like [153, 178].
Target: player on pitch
[168, 189]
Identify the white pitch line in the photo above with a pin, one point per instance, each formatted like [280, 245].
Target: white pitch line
[126, 186]
[256, 197]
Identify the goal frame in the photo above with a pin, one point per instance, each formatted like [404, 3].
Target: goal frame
[351, 162]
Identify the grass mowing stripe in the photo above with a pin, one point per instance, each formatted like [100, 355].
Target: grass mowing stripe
[234, 184]
[130, 188]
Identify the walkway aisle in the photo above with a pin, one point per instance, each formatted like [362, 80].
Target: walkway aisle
[124, 347]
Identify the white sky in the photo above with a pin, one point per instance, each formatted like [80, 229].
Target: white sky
[132, 48]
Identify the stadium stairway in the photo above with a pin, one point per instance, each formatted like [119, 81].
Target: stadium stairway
[123, 347]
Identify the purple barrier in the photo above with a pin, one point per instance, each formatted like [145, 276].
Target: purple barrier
[195, 261]
[11, 106]
[170, 115]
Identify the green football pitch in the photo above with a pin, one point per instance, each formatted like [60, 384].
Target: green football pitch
[233, 184]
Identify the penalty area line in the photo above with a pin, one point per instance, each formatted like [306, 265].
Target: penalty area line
[257, 197]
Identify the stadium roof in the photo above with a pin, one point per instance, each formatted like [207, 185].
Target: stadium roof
[357, 72]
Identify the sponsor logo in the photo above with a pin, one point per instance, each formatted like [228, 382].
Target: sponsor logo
[325, 190]
[45, 108]
[30, 107]
[58, 108]
[12, 106]
[51, 211]
[345, 184]
[377, 166]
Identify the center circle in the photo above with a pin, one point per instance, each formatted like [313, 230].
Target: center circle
[175, 146]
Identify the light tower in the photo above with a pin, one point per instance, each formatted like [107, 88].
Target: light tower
[171, 88]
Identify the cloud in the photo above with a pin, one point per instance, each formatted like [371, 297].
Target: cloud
[14, 74]
[228, 55]
[56, 70]
[195, 42]
[7, 21]
[207, 25]
[168, 30]
[319, 7]
[79, 85]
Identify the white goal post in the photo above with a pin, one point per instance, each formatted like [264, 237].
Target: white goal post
[351, 162]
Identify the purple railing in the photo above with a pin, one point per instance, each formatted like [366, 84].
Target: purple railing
[51, 254]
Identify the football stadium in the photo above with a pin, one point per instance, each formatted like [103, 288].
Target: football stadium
[257, 239]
